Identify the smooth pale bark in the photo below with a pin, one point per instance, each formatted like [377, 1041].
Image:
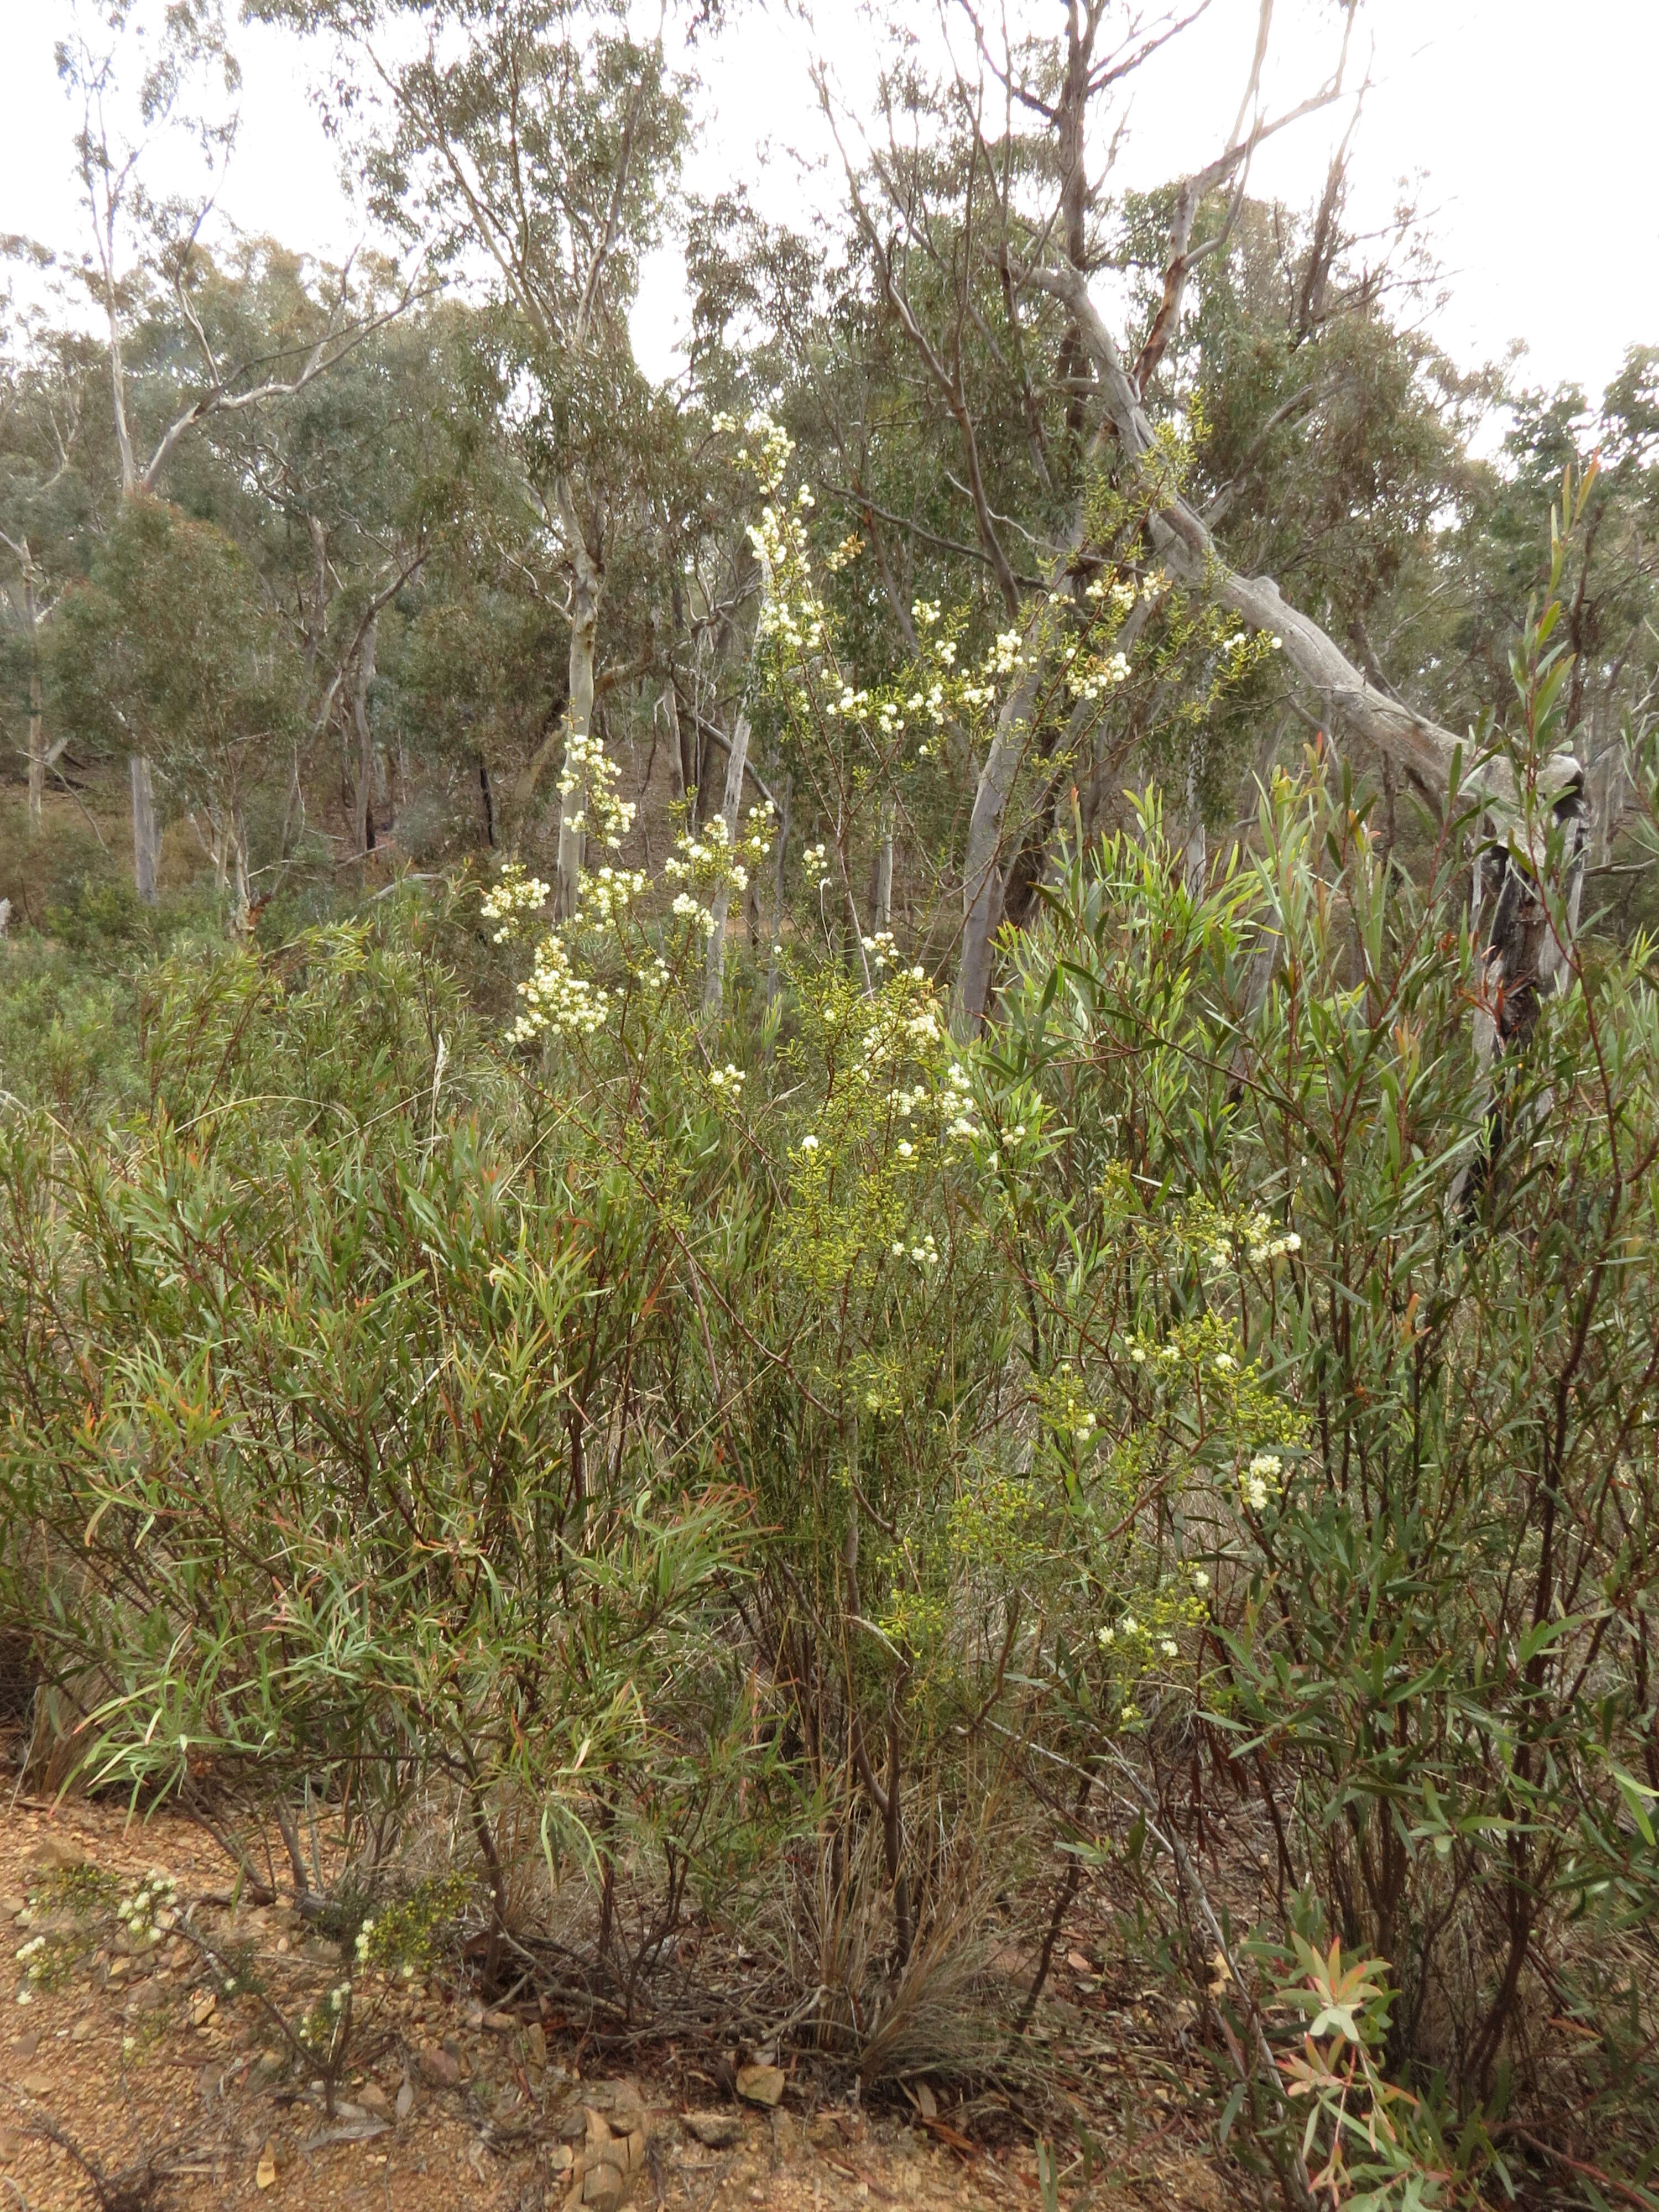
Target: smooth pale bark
[293, 809]
[671, 701]
[146, 843]
[228, 850]
[983, 877]
[586, 590]
[714, 980]
[881, 884]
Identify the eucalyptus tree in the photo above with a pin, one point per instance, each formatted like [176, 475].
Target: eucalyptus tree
[1501, 554]
[171, 651]
[987, 180]
[142, 74]
[342, 494]
[47, 514]
[534, 144]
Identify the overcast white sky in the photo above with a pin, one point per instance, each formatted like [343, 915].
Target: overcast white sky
[1526, 129]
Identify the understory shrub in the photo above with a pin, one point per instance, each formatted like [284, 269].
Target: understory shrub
[761, 1468]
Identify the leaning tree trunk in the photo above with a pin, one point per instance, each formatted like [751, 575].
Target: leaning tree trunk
[983, 876]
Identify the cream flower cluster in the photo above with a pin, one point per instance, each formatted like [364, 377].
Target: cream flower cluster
[1261, 1480]
[712, 860]
[510, 898]
[1263, 1241]
[556, 999]
[769, 449]
[925, 1254]
[588, 770]
[607, 893]
[151, 1909]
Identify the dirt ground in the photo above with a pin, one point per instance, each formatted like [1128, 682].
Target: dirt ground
[126, 2084]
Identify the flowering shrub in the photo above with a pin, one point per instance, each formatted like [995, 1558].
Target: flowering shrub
[803, 1466]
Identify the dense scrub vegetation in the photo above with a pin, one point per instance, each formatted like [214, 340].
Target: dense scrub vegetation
[1035, 1259]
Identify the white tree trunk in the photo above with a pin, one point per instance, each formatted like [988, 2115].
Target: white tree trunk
[982, 870]
[881, 887]
[714, 980]
[1187, 551]
[236, 869]
[573, 802]
[670, 703]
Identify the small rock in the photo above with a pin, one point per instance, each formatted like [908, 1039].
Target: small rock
[36, 2085]
[535, 2044]
[265, 2174]
[714, 2131]
[203, 2004]
[499, 2023]
[52, 1851]
[80, 2029]
[373, 2098]
[11, 1907]
[405, 2104]
[607, 2131]
[438, 2066]
[762, 2085]
[26, 2045]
